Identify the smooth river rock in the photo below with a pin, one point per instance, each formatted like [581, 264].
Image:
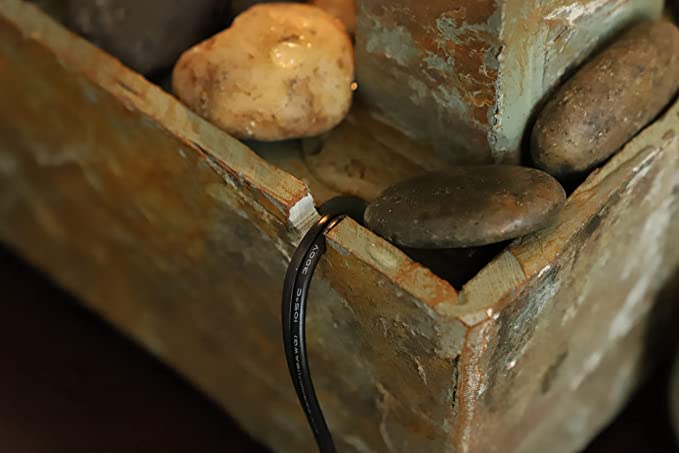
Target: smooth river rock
[466, 206]
[147, 35]
[608, 100]
[281, 71]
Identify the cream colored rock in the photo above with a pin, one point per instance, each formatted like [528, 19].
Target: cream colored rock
[281, 71]
[344, 10]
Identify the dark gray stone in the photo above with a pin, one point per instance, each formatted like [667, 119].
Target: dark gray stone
[466, 206]
[147, 35]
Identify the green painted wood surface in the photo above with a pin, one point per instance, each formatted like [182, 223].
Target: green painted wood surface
[467, 75]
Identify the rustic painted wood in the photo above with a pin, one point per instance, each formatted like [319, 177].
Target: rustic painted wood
[466, 75]
[179, 235]
[574, 332]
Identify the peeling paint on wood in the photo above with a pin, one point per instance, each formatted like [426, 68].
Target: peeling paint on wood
[468, 73]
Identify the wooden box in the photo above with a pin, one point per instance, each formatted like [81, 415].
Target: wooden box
[179, 235]
[478, 67]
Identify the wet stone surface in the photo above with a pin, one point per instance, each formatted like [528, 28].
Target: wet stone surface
[147, 35]
[466, 206]
[608, 101]
[281, 71]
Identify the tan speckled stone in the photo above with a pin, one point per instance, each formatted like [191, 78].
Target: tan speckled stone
[282, 70]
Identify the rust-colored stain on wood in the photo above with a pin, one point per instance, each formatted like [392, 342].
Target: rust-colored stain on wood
[438, 54]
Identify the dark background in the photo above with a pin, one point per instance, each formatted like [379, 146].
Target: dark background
[70, 384]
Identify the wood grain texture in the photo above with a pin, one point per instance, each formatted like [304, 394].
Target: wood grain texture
[179, 235]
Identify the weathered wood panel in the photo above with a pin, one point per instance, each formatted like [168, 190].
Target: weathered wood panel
[568, 341]
[466, 75]
[180, 235]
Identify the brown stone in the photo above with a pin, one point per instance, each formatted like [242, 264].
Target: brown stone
[466, 206]
[608, 101]
[280, 71]
[147, 35]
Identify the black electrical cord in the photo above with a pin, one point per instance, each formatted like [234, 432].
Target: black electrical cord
[295, 291]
